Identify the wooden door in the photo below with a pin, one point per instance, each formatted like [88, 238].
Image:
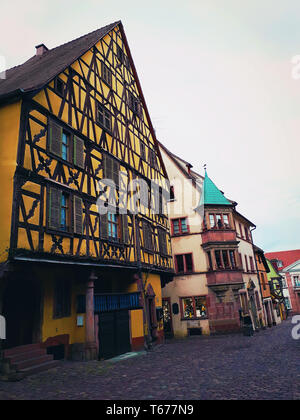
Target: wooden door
[114, 334]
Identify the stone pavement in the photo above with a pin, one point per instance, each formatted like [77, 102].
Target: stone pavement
[265, 366]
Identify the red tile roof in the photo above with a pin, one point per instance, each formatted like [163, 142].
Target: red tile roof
[287, 257]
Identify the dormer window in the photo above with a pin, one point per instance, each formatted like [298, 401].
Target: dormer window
[59, 86]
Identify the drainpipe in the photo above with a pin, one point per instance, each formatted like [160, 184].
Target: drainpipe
[261, 294]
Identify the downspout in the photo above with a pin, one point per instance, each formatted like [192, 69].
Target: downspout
[261, 294]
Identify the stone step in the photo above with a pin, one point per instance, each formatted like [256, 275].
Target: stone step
[25, 356]
[36, 361]
[39, 368]
[21, 349]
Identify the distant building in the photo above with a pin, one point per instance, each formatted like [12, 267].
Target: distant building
[263, 270]
[287, 264]
[216, 283]
[275, 283]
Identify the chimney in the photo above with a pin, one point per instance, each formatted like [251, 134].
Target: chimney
[41, 49]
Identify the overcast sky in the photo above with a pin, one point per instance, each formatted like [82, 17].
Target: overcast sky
[217, 78]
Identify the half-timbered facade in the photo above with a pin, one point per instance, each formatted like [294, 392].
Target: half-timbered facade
[72, 244]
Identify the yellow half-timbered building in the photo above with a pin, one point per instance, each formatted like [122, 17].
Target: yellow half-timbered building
[76, 279]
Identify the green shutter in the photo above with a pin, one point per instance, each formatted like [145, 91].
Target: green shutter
[54, 208]
[78, 152]
[55, 138]
[78, 215]
[104, 226]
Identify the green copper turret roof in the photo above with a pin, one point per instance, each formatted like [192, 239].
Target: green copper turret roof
[212, 194]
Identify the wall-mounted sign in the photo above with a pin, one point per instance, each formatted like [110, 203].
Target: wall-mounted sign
[2, 328]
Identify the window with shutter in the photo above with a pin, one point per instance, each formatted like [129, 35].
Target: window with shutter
[111, 169]
[78, 152]
[125, 231]
[115, 171]
[59, 210]
[104, 226]
[78, 213]
[147, 234]
[162, 239]
[55, 138]
[54, 208]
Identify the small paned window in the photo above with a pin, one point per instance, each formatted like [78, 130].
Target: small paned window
[212, 220]
[184, 263]
[65, 145]
[64, 211]
[179, 226]
[103, 117]
[113, 226]
[106, 74]
[226, 220]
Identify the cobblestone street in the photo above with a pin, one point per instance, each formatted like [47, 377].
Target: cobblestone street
[265, 366]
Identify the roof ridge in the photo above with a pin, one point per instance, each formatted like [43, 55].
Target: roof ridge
[83, 36]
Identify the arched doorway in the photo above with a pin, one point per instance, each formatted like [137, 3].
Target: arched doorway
[21, 309]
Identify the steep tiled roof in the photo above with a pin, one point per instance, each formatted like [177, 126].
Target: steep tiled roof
[212, 194]
[39, 70]
[287, 257]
